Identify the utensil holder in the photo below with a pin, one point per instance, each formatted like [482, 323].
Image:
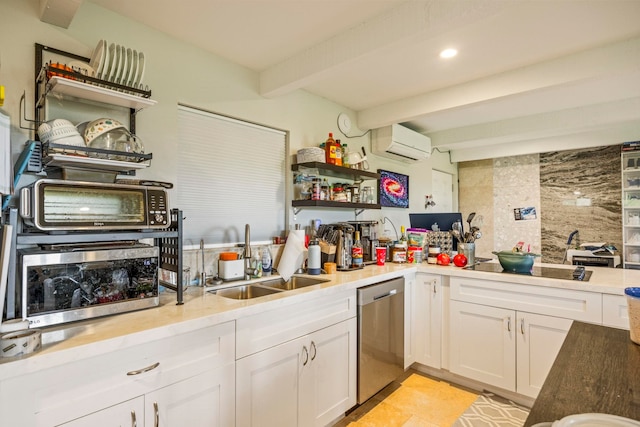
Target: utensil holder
[469, 251]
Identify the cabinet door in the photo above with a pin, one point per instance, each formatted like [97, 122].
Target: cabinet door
[207, 399]
[410, 344]
[268, 385]
[427, 320]
[125, 414]
[329, 386]
[538, 343]
[482, 343]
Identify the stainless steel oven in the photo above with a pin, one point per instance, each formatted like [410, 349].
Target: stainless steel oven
[59, 205]
[77, 283]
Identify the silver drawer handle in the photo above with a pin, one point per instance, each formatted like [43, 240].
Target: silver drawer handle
[134, 423]
[147, 369]
[156, 418]
[306, 355]
[509, 323]
[522, 325]
[315, 351]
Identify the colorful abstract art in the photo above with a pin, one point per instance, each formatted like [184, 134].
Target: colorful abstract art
[393, 189]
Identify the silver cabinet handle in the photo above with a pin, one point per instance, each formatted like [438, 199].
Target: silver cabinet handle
[509, 323]
[156, 416]
[522, 325]
[147, 369]
[315, 351]
[306, 355]
[434, 287]
[134, 423]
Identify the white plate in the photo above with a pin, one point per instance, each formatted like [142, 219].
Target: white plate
[140, 70]
[123, 65]
[99, 57]
[108, 67]
[596, 420]
[134, 68]
[115, 64]
[127, 69]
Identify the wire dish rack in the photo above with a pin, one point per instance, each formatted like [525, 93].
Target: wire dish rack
[69, 156]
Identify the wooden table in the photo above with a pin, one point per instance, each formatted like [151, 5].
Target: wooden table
[597, 370]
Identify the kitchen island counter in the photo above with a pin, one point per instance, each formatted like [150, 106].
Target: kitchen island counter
[596, 371]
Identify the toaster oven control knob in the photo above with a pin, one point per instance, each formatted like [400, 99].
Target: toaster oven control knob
[160, 218]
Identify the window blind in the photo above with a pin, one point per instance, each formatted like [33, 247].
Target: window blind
[231, 173]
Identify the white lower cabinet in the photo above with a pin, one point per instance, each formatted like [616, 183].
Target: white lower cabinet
[203, 400]
[505, 348]
[307, 381]
[184, 379]
[426, 321]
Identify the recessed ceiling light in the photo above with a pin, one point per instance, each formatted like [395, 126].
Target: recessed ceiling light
[448, 53]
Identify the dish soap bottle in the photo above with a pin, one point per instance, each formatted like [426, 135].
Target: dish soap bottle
[256, 266]
[266, 261]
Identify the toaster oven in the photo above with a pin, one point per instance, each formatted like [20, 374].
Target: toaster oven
[60, 286]
[61, 205]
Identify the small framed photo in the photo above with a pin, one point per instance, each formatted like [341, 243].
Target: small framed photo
[393, 189]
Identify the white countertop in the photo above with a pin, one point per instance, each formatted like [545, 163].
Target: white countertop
[64, 343]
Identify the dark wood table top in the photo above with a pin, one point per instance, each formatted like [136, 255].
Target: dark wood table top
[597, 370]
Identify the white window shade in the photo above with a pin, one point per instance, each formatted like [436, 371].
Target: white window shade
[231, 173]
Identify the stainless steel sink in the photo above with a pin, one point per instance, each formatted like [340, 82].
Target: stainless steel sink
[296, 282]
[246, 292]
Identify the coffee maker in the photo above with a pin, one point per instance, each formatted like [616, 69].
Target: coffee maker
[368, 238]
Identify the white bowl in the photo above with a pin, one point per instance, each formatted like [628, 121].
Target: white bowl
[60, 131]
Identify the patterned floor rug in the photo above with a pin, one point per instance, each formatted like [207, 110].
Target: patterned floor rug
[490, 410]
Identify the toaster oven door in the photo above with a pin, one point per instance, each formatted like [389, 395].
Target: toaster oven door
[60, 287]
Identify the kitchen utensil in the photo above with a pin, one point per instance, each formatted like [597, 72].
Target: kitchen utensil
[516, 262]
[456, 234]
[470, 218]
[566, 249]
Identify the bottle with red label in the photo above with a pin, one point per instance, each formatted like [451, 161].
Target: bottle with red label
[331, 151]
[357, 251]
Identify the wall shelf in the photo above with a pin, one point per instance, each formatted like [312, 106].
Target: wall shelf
[334, 171]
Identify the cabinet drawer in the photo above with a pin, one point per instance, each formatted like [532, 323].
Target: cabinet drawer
[567, 303]
[264, 330]
[614, 311]
[88, 385]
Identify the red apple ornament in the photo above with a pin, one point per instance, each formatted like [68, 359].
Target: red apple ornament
[443, 259]
[460, 260]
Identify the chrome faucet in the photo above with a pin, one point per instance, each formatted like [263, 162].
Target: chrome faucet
[246, 254]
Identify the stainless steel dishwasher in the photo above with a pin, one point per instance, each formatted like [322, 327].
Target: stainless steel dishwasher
[380, 336]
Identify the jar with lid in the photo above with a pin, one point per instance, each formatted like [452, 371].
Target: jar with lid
[339, 193]
[316, 189]
[399, 253]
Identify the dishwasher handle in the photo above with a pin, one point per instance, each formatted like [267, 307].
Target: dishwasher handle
[378, 291]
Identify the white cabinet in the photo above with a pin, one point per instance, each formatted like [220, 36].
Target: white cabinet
[308, 381]
[505, 348]
[508, 335]
[204, 400]
[189, 376]
[296, 365]
[426, 321]
[129, 413]
[615, 312]
[482, 344]
[410, 344]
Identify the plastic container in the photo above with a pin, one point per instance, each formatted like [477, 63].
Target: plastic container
[633, 306]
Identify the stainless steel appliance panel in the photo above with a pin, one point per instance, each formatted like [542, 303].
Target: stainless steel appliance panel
[380, 336]
[60, 287]
[59, 205]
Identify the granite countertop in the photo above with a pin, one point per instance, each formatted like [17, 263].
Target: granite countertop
[596, 371]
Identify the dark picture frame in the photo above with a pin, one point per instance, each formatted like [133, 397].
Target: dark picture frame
[393, 189]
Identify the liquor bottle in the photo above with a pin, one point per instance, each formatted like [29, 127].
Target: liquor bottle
[331, 150]
[357, 252]
[338, 153]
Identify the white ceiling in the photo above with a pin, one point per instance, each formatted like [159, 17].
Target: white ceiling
[528, 71]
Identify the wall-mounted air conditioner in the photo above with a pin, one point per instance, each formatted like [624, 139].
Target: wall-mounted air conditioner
[400, 143]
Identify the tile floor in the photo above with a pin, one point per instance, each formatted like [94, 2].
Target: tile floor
[414, 400]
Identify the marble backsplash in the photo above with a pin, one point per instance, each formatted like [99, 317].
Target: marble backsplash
[569, 190]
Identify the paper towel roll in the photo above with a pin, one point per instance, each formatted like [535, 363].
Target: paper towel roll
[293, 254]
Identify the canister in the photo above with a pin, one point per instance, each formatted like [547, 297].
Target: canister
[633, 306]
[314, 262]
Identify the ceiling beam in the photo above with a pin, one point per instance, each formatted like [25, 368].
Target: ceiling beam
[411, 21]
[607, 62]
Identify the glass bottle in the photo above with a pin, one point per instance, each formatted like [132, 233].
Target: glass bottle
[345, 156]
[330, 149]
[338, 153]
[357, 252]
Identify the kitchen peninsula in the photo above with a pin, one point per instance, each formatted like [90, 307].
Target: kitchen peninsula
[81, 370]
